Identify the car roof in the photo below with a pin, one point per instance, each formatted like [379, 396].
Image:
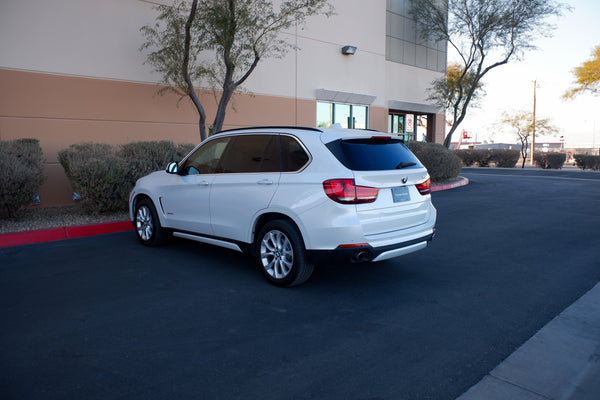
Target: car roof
[334, 132]
[269, 129]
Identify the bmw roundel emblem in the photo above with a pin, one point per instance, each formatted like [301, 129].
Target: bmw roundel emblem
[405, 179]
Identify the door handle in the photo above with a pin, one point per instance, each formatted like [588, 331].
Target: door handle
[203, 183]
[265, 182]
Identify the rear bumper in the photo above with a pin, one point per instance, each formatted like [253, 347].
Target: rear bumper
[368, 253]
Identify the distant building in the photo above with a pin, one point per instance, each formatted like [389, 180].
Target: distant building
[543, 147]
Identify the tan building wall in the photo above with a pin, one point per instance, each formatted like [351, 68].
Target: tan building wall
[63, 110]
[67, 78]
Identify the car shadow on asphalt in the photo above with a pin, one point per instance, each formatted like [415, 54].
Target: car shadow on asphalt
[242, 267]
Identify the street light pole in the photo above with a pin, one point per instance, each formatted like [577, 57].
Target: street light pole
[533, 123]
[594, 139]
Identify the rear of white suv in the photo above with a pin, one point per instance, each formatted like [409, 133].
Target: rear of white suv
[292, 197]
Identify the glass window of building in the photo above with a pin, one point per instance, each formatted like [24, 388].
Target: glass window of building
[404, 43]
[347, 115]
[402, 125]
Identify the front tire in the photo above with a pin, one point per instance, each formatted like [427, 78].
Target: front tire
[281, 254]
[147, 224]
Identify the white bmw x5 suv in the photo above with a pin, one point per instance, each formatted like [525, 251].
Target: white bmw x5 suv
[292, 197]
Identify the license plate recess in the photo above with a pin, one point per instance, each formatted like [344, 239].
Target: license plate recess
[400, 194]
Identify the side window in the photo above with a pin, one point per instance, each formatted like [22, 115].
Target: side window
[253, 153]
[293, 155]
[206, 157]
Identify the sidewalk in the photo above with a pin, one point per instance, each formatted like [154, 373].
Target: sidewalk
[561, 361]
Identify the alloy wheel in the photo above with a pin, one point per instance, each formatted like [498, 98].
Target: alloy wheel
[277, 254]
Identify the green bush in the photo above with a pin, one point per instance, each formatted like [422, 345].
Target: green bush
[104, 175]
[98, 175]
[505, 158]
[468, 157]
[21, 174]
[441, 163]
[586, 161]
[183, 149]
[474, 156]
[549, 160]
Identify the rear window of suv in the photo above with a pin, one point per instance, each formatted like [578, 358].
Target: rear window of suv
[373, 154]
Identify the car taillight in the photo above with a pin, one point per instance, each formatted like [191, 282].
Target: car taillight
[344, 191]
[425, 187]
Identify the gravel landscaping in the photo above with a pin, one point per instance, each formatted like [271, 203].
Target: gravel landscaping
[34, 218]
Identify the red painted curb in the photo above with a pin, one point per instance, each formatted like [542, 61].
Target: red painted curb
[89, 230]
[463, 182]
[46, 235]
[67, 232]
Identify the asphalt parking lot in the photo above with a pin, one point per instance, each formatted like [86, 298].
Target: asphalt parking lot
[104, 317]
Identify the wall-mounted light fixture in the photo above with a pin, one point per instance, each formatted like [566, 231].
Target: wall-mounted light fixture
[348, 50]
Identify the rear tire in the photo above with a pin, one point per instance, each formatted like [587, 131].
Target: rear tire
[281, 254]
[147, 225]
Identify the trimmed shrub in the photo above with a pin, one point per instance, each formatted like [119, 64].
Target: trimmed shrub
[143, 158]
[549, 160]
[146, 157]
[98, 175]
[586, 161]
[441, 163]
[468, 157]
[475, 156]
[183, 149]
[104, 175]
[21, 174]
[505, 158]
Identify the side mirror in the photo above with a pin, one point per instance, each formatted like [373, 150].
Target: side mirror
[172, 168]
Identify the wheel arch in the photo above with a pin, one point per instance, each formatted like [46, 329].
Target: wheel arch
[157, 206]
[263, 219]
[136, 199]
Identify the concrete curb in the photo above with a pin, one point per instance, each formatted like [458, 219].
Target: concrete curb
[561, 361]
[72, 232]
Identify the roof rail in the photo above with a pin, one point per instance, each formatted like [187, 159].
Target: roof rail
[337, 125]
[270, 127]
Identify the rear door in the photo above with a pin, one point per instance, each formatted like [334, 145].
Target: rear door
[248, 180]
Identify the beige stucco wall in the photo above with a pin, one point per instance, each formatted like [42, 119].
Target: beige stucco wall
[62, 110]
[71, 71]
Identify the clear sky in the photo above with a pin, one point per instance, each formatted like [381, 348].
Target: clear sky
[510, 87]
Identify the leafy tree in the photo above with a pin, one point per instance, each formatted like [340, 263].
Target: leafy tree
[521, 123]
[219, 43]
[485, 35]
[587, 76]
[447, 90]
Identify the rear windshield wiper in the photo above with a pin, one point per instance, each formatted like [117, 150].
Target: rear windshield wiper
[405, 165]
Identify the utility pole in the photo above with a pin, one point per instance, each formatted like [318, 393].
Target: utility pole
[533, 123]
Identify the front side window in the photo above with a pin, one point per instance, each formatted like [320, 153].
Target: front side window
[206, 157]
